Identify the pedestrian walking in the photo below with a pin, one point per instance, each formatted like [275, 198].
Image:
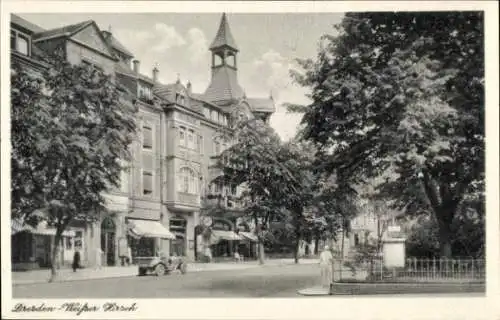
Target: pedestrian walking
[76, 261]
[326, 264]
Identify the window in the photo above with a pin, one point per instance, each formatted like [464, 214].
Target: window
[206, 112]
[216, 148]
[188, 182]
[190, 142]
[147, 137]
[180, 99]
[200, 144]
[213, 115]
[144, 92]
[68, 243]
[233, 189]
[147, 183]
[20, 42]
[182, 136]
[78, 240]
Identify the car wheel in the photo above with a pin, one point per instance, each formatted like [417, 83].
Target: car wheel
[160, 269]
[142, 271]
[183, 268]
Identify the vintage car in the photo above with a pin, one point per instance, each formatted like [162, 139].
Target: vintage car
[160, 265]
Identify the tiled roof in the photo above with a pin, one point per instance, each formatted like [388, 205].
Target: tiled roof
[224, 36]
[261, 104]
[120, 47]
[123, 68]
[25, 24]
[224, 86]
[166, 91]
[66, 30]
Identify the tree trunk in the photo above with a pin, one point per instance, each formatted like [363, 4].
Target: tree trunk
[296, 251]
[444, 241]
[261, 251]
[342, 245]
[316, 245]
[55, 257]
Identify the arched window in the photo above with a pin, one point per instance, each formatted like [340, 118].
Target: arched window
[187, 181]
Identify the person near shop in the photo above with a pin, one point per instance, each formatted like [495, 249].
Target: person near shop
[76, 261]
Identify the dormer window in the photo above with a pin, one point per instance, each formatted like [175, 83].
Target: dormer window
[20, 42]
[144, 92]
[180, 99]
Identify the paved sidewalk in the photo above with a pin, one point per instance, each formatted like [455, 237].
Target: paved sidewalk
[42, 276]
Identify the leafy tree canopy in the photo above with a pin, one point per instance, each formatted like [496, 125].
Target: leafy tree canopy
[71, 129]
[401, 95]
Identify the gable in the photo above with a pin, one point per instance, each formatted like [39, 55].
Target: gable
[93, 38]
[242, 109]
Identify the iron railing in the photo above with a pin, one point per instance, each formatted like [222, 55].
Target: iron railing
[421, 270]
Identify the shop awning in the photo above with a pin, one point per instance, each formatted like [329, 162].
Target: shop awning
[40, 229]
[149, 229]
[224, 235]
[249, 236]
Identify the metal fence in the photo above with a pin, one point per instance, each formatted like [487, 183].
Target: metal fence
[424, 270]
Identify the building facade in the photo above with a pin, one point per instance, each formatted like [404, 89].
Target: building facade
[177, 143]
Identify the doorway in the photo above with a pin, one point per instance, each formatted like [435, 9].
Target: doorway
[108, 245]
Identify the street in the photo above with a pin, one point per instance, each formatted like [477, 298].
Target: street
[265, 281]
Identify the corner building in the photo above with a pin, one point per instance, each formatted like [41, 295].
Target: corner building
[173, 155]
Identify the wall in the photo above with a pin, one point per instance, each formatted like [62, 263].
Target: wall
[146, 206]
[76, 53]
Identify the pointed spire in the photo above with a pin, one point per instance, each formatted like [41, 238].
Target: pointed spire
[178, 78]
[271, 94]
[244, 94]
[224, 36]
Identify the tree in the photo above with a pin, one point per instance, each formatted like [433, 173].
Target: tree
[276, 177]
[402, 94]
[250, 162]
[71, 129]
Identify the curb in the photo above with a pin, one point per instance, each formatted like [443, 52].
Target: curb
[378, 289]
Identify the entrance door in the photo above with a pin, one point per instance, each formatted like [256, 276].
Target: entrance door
[108, 245]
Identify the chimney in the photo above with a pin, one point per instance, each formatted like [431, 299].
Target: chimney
[137, 65]
[155, 74]
[188, 86]
[106, 34]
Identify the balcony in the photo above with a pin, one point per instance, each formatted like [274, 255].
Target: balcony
[188, 199]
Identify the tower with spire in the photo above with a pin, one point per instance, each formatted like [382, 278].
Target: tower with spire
[224, 88]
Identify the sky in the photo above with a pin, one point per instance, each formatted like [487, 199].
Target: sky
[178, 44]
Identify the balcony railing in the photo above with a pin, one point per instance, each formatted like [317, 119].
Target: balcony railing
[188, 198]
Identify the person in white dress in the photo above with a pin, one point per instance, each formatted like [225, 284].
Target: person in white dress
[326, 265]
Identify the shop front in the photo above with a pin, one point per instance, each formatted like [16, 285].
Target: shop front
[223, 239]
[32, 247]
[144, 238]
[247, 246]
